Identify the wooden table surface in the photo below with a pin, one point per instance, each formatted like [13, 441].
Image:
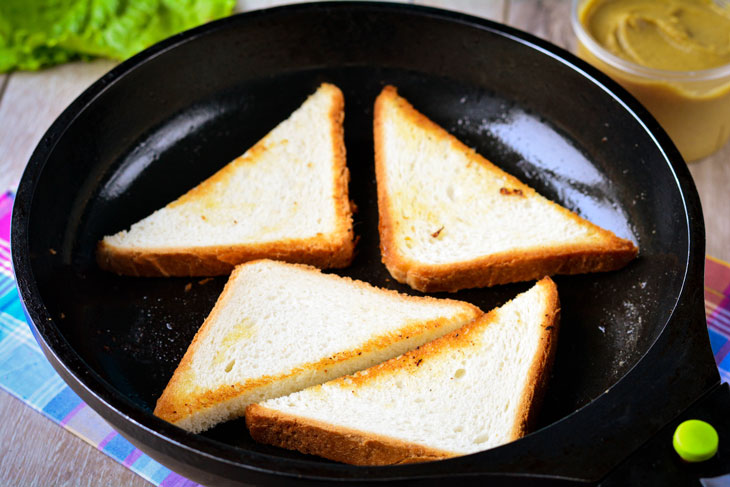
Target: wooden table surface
[35, 451]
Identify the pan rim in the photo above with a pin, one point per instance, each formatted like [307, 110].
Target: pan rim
[116, 402]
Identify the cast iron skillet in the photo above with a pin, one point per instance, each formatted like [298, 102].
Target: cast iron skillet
[633, 351]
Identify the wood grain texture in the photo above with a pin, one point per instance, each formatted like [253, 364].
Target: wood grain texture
[712, 179]
[547, 19]
[246, 5]
[31, 102]
[489, 9]
[3, 83]
[36, 452]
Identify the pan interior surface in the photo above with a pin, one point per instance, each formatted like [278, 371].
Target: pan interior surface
[167, 121]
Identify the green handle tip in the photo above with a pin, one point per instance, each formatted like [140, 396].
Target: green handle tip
[695, 441]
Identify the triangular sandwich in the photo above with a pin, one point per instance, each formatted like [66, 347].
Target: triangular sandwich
[278, 328]
[450, 219]
[285, 198]
[473, 389]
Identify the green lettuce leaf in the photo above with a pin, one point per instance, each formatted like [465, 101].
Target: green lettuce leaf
[39, 33]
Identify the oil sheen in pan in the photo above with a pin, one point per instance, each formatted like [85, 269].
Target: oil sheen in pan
[203, 135]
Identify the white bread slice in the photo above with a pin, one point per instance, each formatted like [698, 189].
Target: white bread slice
[473, 389]
[450, 219]
[278, 328]
[285, 198]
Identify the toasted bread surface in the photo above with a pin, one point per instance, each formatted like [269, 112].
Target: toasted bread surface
[337, 443]
[278, 328]
[450, 219]
[285, 198]
[475, 388]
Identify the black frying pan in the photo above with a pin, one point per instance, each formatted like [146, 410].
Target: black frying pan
[633, 352]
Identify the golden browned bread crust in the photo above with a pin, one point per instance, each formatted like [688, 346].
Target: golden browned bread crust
[503, 268]
[500, 268]
[362, 448]
[335, 443]
[181, 398]
[539, 372]
[335, 250]
[176, 401]
[322, 252]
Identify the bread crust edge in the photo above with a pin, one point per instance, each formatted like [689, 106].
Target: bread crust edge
[337, 252]
[178, 405]
[333, 250]
[541, 367]
[501, 268]
[352, 446]
[506, 267]
[334, 442]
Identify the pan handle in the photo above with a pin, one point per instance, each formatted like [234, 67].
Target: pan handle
[657, 463]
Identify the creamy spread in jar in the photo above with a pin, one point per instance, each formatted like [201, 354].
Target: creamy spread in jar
[678, 35]
[673, 55]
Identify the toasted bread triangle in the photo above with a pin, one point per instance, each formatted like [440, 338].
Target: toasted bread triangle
[285, 198]
[277, 328]
[450, 219]
[475, 388]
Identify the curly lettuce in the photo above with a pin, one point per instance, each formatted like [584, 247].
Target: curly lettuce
[39, 33]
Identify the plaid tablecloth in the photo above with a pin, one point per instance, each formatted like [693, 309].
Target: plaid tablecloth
[26, 374]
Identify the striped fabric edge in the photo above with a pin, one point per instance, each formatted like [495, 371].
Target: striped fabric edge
[717, 310]
[26, 374]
